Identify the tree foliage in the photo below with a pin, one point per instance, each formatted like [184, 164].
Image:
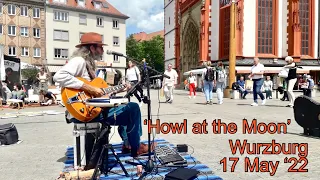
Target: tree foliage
[30, 74]
[152, 51]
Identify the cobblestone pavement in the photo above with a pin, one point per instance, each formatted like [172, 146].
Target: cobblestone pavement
[45, 138]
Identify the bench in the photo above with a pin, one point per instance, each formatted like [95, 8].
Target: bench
[12, 102]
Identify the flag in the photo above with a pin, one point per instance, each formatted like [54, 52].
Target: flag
[2, 68]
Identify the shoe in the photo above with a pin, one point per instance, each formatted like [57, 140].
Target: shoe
[194, 97]
[289, 105]
[143, 149]
[263, 102]
[189, 97]
[220, 102]
[210, 102]
[126, 149]
[254, 104]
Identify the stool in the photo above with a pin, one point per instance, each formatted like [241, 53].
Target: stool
[12, 102]
[84, 137]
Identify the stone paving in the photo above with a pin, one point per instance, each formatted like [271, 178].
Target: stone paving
[45, 138]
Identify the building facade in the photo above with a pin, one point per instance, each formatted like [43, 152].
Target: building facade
[169, 31]
[268, 29]
[22, 30]
[68, 20]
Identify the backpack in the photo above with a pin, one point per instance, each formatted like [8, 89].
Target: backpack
[221, 76]
[209, 75]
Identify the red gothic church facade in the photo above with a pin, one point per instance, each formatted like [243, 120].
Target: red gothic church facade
[199, 30]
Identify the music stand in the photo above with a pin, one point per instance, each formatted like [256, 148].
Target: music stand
[105, 150]
[149, 166]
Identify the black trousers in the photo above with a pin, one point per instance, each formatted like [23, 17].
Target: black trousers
[139, 89]
[307, 92]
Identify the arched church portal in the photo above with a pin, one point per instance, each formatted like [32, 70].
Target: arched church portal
[190, 43]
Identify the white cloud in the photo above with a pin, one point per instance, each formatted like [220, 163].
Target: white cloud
[146, 15]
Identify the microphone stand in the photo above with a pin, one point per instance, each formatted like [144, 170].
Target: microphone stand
[150, 165]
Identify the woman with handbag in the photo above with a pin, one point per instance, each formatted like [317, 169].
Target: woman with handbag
[291, 79]
[133, 75]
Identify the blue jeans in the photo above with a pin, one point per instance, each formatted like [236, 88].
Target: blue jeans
[208, 87]
[257, 84]
[129, 116]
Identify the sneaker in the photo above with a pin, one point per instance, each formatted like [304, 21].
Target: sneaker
[263, 102]
[194, 97]
[254, 104]
[207, 102]
[220, 102]
[189, 97]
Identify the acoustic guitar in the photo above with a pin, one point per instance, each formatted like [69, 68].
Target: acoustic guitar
[75, 99]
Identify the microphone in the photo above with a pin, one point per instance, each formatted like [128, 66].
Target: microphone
[114, 53]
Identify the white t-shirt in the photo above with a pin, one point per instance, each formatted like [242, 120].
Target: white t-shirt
[173, 77]
[132, 74]
[256, 69]
[192, 79]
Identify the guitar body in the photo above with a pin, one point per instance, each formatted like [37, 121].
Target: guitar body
[78, 109]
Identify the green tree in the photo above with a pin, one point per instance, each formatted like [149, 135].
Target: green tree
[154, 52]
[30, 74]
[134, 48]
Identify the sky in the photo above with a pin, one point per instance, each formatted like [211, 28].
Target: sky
[145, 15]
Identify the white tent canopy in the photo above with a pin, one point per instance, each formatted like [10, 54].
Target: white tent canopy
[195, 71]
[26, 65]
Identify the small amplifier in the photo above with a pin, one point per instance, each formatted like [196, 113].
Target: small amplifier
[182, 148]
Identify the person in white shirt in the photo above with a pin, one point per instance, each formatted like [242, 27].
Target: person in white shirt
[256, 75]
[133, 75]
[192, 80]
[169, 84]
[267, 85]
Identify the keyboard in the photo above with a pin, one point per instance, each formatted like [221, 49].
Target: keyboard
[167, 155]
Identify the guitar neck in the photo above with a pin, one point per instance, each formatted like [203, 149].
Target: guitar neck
[114, 88]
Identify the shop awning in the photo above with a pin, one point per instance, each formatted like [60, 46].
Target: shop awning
[270, 70]
[54, 69]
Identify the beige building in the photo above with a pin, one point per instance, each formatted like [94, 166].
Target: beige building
[68, 20]
[22, 30]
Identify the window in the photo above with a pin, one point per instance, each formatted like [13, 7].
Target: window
[36, 13]
[24, 51]
[306, 37]
[115, 41]
[99, 21]
[169, 44]
[80, 36]
[115, 58]
[11, 9]
[115, 24]
[97, 5]
[169, 20]
[1, 7]
[82, 19]
[24, 31]
[81, 3]
[24, 11]
[61, 53]
[61, 35]
[1, 29]
[266, 26]
[224, 39]
[36, 32]
[11, 30]
[60, 1]
[36, 52]
[12, 51]
[61, 16]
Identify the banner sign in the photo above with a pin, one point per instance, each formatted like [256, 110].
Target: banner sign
[12, 71]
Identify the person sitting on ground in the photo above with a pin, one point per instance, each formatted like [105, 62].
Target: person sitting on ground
[49, 97]
[18, 92]
[82, 64]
